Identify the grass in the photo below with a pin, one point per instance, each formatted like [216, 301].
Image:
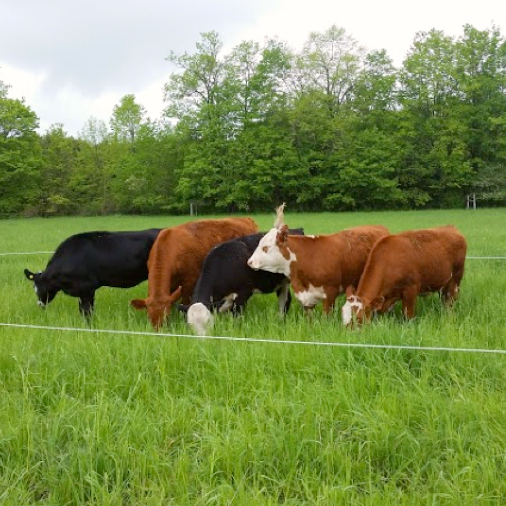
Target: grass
[120, 419]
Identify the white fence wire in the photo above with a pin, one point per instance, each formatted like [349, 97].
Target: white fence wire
[260, 340]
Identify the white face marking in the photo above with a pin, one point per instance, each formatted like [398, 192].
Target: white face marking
[311, 296]
[229, 302]
[268, 257]
[199, 318]
[351, 304]
[41, 304]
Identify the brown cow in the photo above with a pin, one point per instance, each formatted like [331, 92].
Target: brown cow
[319, 267]
[404, 265]
[176, 258]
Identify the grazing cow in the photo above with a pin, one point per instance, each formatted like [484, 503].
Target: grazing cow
[319, 267]
[84, 262]
[176, 258]
[404, 265]
[226, 282]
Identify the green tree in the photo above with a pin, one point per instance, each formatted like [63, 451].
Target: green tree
[91, 183]
[436, 164]
[59, 156]
[19, 156]
[127, 118]
[481, 71]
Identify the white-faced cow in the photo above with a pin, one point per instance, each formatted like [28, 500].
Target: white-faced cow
[402, 266]
[176, 258]
[227, 282]
[319, 267]
[84, 262]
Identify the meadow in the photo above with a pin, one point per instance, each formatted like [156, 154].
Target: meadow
[125, 419]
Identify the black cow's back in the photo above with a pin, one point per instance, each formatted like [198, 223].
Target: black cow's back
[102, 258]
[225, 270]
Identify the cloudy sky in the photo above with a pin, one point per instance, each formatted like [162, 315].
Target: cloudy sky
[75, 60]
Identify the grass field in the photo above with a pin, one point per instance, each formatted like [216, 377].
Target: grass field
[122, 419]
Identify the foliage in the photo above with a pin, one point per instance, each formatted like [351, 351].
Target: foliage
[331, 126]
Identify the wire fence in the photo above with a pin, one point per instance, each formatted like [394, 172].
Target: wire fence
[260, 340]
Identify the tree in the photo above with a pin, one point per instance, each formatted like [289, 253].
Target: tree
[91, 182]
[127, 118]
[436, 163]
[19, 155]
[59, 155]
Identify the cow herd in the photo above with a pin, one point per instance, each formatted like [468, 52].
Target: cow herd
[216, 265]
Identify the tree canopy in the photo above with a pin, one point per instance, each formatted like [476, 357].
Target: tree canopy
[330, 127]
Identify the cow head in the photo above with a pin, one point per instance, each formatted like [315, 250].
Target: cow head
[43, 287]
[200, 318]
[353, 309]
[272, 253]
[157, 311]
[359, 310]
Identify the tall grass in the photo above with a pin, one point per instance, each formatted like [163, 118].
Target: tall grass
[120, 419]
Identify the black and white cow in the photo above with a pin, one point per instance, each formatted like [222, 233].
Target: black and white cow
[226, 282]
[84, 262]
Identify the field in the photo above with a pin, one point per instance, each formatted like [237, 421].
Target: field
[125, 419]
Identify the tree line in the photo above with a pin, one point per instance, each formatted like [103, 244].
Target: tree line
[330, 127]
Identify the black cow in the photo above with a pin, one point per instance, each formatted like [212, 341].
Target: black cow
[227, 282]
[84, 262]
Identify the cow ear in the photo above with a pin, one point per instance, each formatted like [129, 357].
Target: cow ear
[377, 302]
[30, 275]
[138, 303]
[282, 235]
[350, 291]
[183, 307]
[176, 294]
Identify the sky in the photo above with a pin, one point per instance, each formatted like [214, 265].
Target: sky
[72, 61]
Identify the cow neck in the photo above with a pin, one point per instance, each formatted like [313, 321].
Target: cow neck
[304, 249]
[159, 284]
[371, 290]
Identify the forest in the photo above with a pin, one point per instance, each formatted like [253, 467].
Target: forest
[331, 127]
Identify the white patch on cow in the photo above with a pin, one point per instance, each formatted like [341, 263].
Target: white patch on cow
[199, 318]
[41, 304]
[351, 304]
[229, 302]
[268, 257]
[311, 296]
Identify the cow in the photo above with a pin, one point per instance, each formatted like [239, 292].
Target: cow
[84, 262]
[319, 267]
[176, 258]
[402, 266]
[227, 282]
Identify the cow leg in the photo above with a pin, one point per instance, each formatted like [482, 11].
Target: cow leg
[240, 302]
[86, 305]
[408, 302]
[329, 300]
[450, 292]
[284, 298]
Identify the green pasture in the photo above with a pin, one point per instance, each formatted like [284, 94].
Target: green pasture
[125, 419]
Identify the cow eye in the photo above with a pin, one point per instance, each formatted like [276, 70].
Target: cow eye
[265, 249]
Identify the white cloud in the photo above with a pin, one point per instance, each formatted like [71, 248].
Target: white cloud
[71, 65]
